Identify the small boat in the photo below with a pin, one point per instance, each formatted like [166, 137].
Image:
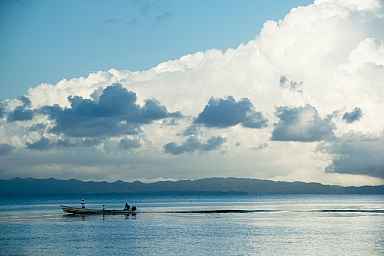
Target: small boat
[78, 210]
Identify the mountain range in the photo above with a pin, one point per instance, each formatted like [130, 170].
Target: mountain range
[31, 186]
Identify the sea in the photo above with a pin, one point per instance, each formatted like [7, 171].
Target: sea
[173, 224]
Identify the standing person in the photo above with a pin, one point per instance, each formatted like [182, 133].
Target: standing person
[82, 203]
[126, 206]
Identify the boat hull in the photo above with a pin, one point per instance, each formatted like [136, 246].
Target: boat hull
[76, 210]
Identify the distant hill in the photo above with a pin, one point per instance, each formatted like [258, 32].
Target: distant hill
[30, 186]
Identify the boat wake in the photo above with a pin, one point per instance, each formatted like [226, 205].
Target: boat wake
[221, 211]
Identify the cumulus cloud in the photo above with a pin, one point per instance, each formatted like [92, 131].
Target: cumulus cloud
[115, 112]
[192, 144]
[330, 51]
[354, 115]
[227, 112]
[301, 124]
[22, 112]
[357, 154]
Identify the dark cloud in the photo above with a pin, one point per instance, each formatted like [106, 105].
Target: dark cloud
[128, 143]
[41, 144]
[77, 142]
[255, 120]
[45, 144]
[115, 112]
[2, 111]
[20, 114]
[227, 112]
[301, 124]
[356, 154]
[26, 101]
[23, 112]
[193, 144]
[354, 115]
[6, 149]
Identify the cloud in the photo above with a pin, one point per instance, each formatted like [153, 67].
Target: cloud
[45, 144]
[2, 111]
[25, 101]
[354, 115]
[22, 112]
[227, 112]
[260, 147]
[115, 112]
[291, 85]
[192, 144]
[6, 149]
[356, 154]
[41, 144]
[366, 5]
[254, 120]
[38, 127]
[330, 50]
[129, 143]
[301, 124]
[191, 130]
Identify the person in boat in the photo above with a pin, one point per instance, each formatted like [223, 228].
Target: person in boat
[126, 207]
[82, 203]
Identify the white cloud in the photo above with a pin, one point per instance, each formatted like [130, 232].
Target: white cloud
[334, 47]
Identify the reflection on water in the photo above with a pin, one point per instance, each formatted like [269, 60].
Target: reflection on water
[268, 225]
[92, 217]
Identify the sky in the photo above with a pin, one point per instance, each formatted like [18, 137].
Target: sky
[53, 40]
[149, 90]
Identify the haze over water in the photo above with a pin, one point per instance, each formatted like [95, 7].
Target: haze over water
[286, 225]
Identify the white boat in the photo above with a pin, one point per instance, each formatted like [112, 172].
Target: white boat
[79, 210]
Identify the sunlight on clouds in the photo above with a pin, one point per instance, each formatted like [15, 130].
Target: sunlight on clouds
[330, 55]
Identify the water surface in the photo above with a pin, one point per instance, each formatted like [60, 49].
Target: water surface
[189, 225]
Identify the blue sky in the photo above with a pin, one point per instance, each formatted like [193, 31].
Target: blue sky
[46, 41]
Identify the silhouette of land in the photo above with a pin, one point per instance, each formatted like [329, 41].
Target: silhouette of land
[31, 186]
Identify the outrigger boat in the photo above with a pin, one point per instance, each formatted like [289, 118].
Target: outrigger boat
[78, 210]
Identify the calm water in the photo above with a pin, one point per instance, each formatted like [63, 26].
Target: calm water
[296, 226]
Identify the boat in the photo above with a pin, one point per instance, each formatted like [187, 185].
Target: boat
[78, 210]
